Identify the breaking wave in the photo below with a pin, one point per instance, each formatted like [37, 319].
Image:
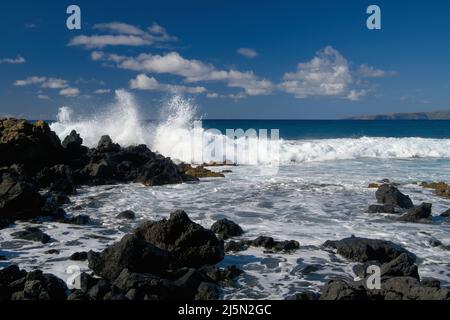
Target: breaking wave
[179, 135]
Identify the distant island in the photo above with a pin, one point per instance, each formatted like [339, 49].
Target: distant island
[433, 115]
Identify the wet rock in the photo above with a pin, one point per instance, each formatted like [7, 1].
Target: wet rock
[388, 194]
[207, 291]
[189, 243]
[270, 244]
[32, 234]
[200, 171]
[235, 246]
[79, 256]
[9, 275]
[99, 290]
[19, 199]
[128, 215]
[341, 290]
[382, 208]
[408, 288]
[227, 229]
[52, 251]
[373, 185]
[132, 253]
[40, 286]
[403, 266]
[78, 220]
[420, 213]
[305, 296]
[72, 140]
[218, 275]
[58, 178]
[445, 214]
[363, 249]
[441, 189]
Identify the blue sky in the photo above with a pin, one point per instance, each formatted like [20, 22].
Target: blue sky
[235, 59]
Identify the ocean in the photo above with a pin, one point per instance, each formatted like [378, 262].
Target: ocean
[319, 191]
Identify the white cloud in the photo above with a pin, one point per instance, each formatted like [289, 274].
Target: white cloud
[367, 71]
[355, 95]
[247, 52]
[143, 82]
[69, 92]
[102, 91]
[212, 95]
[122, 34]
[192, 70]
[54, 83]
[43, 97]
[327, 74]
[30, 81]
[17, 60]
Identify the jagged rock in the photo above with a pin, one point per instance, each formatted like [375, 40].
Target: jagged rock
[420, 213]
[341, 290]
[19, 199]
[52, 251]
[128, 215]
[33, 145]
[32, 234]
[388, 194]
[5, 222]
[363, 249]
[225, 275]
[382, 208]
[106, 145]
[235, 246]
[58, 178]
[132, 253]
[227, 229]
[72, 141]
[403, 266]
[408, 288]
[38, 286]
[190, 244]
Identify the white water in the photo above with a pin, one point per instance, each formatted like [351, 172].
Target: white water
[178, 135]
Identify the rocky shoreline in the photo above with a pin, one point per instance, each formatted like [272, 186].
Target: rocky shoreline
[174, 258]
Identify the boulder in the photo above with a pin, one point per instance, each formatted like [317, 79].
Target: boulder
[268, 243]
[19, 199]
[79, 256]
[32, 234]
[130, 252]
[341, 290]
[128, 215]
[5, 222]
[80, 220]
[388, 194]
[199, 171]
[420, 213]
[363, 249]
[190, 244]
[37, 285]
[58, 178]
[235, 246]
[207, 291]
[408, 288]
[33, 145]
[227, 229]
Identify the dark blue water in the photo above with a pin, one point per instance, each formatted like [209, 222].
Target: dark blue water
[327, 129]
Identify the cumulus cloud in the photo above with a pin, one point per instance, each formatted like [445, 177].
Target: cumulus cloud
[327, 74]
[17, 60]
[247, 52]
[69, 92]
[122, 34]
[143, 82]
[54, 83]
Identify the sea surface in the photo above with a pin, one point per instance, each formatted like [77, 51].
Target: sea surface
[313, 189]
